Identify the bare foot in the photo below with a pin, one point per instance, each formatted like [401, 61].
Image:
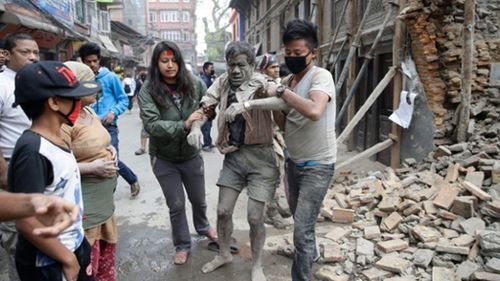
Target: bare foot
[217, 262]
[258, 274]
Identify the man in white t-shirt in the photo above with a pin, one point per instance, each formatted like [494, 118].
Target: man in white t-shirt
[21, 49]
[128, 85]
[308, 96]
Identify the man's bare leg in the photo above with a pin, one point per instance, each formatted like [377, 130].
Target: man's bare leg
[257, 237]
[225, 208]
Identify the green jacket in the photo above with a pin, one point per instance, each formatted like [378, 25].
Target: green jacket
[167, 132]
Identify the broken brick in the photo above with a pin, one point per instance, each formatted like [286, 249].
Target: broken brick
[476, 178]
[392, 220]
[342, 215]
[446, 215]
[476, 191]
[392, 245]
[463, 207]
[337, 233]
[375, 274]
[447, 248]
[485, 276]
[446, 196]
[453, 172]
[332, 253]
[393, 263]
[442, 274]
[372, 232]
[429, 207]
[426, 234]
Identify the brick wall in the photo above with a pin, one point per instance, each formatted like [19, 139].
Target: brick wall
[435, 27]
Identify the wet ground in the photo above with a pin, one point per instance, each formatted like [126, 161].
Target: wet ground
[145, 251]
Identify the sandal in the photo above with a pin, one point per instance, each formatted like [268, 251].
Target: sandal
[214, 246]
[140, 151]
[181, 257]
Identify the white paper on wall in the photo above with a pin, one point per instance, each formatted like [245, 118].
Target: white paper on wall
[402, 116]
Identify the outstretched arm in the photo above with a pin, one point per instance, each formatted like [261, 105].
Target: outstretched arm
[54, 213]
[271, 103]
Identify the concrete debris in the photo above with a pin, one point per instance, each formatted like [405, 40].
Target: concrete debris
[437, 219]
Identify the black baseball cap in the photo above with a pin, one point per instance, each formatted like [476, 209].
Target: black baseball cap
[44, 79]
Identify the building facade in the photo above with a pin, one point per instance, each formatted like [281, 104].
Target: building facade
[174, 20]
[432, 35]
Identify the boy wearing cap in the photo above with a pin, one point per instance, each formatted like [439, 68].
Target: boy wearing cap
[49, 94]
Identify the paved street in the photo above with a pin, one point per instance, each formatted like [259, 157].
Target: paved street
[145, 249]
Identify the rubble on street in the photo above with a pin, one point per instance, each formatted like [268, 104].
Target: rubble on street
[435, 220]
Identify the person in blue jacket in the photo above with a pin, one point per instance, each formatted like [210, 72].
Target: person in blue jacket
[110, 105]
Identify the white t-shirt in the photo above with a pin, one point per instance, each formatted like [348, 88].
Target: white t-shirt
[131, 83]
[13, 121]
[40, 166]
[306, 139]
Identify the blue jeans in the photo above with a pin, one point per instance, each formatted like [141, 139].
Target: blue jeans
[205, 129]
[124, 170]
[307, 187]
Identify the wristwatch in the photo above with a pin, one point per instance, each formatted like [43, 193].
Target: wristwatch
[280, 90]
[246, 105]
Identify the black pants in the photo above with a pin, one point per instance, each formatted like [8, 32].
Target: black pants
[130, 102]
[54, 272]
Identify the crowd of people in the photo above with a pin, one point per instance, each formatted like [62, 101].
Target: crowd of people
[59, 157]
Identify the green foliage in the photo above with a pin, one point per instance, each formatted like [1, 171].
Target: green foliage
[215, 44]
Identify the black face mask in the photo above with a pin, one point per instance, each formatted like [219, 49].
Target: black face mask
[212, 72]
[296, 64]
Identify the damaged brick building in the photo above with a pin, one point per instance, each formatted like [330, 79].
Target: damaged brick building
[431, 34]
[433, 216]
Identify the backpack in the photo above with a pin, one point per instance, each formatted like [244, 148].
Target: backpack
[127, 89]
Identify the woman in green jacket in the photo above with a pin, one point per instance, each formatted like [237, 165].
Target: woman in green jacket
[168, 101]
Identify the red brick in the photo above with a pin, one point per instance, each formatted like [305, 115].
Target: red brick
[426, 234]
[332, 253]
[392, 245]
[392, 221]
[476, 191]
[446, 196]
[342, 215]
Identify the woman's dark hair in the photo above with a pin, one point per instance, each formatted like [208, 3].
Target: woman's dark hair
[10, 42]
[184, 79]
[300, 29]
[89, 49]
[240, 48]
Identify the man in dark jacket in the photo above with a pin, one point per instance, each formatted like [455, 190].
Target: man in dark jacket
[208, 76]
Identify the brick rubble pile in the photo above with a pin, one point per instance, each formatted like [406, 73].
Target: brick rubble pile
[436, 220]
